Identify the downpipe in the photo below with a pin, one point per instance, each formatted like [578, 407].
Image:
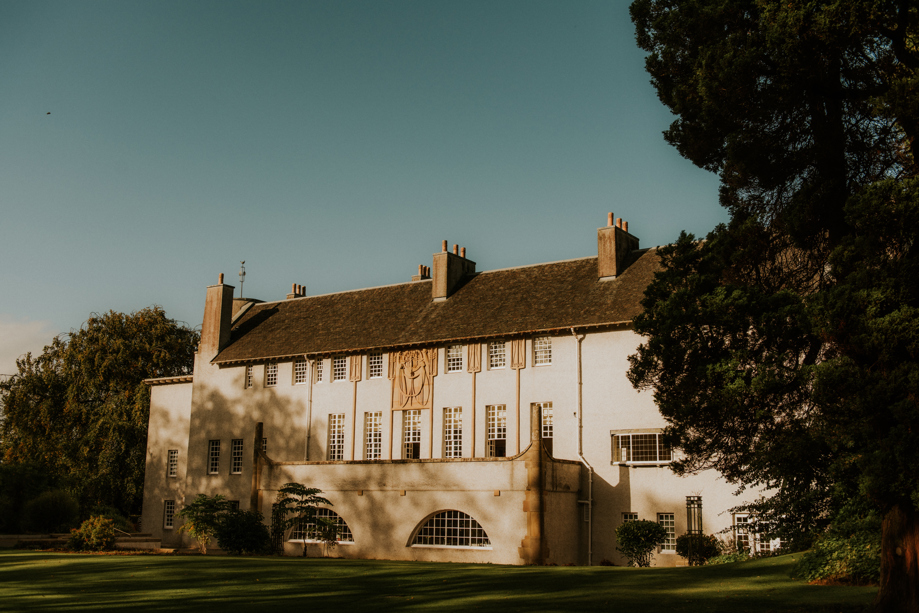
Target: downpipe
[590, 471]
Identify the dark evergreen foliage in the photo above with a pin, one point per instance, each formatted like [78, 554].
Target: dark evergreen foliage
[783, 349]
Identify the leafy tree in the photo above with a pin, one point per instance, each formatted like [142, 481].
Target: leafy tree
[79, 411]
[637, 539]
[783, 349]
[202, 518]
[296, 505]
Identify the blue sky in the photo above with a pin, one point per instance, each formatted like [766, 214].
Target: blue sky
[331, 144]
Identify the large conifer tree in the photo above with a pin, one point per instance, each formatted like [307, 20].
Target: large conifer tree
[784, 349]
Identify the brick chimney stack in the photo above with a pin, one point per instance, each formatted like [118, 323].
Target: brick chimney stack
[449, 271]
[614, 244]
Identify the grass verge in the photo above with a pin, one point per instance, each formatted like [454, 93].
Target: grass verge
[48, 581]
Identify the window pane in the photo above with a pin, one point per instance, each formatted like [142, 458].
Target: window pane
[542, 351]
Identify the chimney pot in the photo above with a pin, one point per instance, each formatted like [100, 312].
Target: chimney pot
[444, 248]
[455, 249]
[293, 288]
[609, 219]
[220, 279]
[462, 252]
[619, 222]
[625, 226]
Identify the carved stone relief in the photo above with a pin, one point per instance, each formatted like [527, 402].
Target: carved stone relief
[412, 374]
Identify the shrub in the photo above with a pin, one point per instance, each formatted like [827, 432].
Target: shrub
[729, 558]
[854, 560]
[637, 539]
[697, 548]
[51, 511]
[243, 532]
[95, 534]
[202, 518]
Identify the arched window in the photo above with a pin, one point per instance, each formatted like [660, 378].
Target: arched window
[308, 531]
[451, 529]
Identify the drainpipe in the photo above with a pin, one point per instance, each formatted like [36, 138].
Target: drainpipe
[590, 470]
[309, 409]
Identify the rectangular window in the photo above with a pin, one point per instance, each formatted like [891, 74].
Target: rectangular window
[641, 448]
[319, 363]
[213, 457]
[496, 422]
[497, 356]
[546, 425]
[169, 513]
[339, 368]
[373, 435]
[300, 371]
[629, 516]
[337, 436]
[236, 457]
[248, 376]
[271, 374]
[265, 445]
[742, 532]
[455, 358]
[411, 435]
[542, 351]
[453, 432]
[375, 365]
[666, 520]
[172, 463]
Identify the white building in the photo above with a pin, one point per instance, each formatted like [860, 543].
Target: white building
[463, 416]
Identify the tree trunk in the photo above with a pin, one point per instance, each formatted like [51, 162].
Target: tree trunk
[899, 591]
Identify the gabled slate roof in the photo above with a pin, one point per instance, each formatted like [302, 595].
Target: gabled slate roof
[514, 301]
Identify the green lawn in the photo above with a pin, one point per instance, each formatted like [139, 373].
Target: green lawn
[44, 581]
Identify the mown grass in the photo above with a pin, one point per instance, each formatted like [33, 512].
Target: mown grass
[47, 581]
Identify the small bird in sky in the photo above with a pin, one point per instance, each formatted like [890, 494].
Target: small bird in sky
[48, 113]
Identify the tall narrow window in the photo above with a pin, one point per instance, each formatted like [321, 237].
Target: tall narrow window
[337, 436]
[546, 425]
[542, 351]
[375, 365]
[497, 356]
[265, 445]
[496, 417]
[213, 457]
[300, 370]
[319, 363]
[742, 532]
[236, 457]
[169, 513]
[411, 435]
[453, 432]
[172, 463]
[373, 435]
[339, 368]
[455, 358]
[667, 521]
[248, 376]
[271, 374]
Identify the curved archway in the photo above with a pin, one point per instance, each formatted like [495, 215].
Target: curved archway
[307, 531]
[450, 528]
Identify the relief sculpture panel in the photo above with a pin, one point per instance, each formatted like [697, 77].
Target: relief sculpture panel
[413, 373]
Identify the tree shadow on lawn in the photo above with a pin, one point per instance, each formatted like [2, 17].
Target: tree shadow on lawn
[63, 582]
